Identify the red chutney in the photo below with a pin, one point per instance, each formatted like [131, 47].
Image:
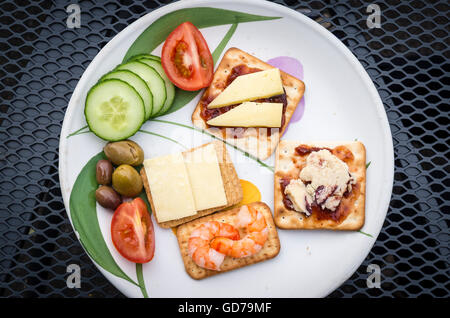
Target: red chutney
[341, 152]
[287, 203]
[236, 71]
[342, 210]
[348, 199]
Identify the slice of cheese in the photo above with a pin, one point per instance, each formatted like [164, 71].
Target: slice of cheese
[205, 177]
[170, 188]
[249, 87]
[250, 114]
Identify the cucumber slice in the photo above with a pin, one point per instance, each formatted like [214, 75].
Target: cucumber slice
[152, 79]
[148, 56]
[138, 84]
[170, 88]
[114, 110]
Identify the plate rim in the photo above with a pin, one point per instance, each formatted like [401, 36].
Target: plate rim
[142, 22]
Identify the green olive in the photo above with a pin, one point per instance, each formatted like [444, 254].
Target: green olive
[127, 181]
[124, 152]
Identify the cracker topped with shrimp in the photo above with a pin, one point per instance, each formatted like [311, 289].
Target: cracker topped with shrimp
[228, 240]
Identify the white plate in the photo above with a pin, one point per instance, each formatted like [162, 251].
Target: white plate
[341, 104]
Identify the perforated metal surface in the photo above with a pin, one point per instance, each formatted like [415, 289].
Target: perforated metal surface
[41, 61]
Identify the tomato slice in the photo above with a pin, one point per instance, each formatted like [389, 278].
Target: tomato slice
[132, 231]
[186, 58]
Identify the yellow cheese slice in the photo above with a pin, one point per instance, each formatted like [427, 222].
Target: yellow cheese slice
[170, 188]
[205, 178]
[249, 87]
[250, 114]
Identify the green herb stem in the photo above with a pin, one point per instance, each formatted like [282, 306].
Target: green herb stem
[367, 234]
[79, 131]
[161, 136]
[215, 137]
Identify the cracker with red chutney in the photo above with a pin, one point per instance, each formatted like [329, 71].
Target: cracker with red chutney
[320, 185]
[259, 142]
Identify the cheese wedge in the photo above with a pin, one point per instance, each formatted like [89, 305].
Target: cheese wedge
[204, 175]
[170, 188]
[249, 87]
[250, 114]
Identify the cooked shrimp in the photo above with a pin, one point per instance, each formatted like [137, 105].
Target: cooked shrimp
[199, 243]
[252, 242]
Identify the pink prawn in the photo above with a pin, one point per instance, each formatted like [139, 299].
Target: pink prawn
[199, 243]
[257, 232]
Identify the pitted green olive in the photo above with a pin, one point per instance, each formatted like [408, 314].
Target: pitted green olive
[127, 181]
[124, 152]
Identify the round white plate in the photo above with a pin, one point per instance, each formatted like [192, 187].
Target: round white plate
[341, 103]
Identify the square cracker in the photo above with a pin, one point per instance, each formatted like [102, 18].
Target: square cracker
[231, 183]
[255, 141]
[289, 165]
[270, 249]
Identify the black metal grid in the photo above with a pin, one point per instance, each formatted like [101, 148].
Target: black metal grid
[41, 61]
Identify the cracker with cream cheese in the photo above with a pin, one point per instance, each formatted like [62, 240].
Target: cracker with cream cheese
[270, 249]
[349, 214]
[259, 142]
[231, 183]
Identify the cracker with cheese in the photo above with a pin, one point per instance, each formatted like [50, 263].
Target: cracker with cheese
[254, 132]
[269, 250]
[184, 186]
[320, 185]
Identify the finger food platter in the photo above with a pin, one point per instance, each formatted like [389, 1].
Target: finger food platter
[285, 97]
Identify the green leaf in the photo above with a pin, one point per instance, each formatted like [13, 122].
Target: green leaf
[84, 216]
[140, 277]
[143, 196]
[201, 17]
[183, 97]
[219, 49]
[368, 164]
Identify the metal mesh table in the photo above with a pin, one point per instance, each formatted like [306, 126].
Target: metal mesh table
[41, 61]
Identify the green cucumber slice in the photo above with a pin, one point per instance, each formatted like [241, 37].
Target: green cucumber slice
[114, 110]
[153, 80]
[170, 88]
[138, 84]
[148, 56]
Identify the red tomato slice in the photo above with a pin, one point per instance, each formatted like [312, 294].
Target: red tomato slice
[132, 231]
[186, 58]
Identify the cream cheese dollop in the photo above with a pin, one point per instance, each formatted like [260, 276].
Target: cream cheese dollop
[322, 182]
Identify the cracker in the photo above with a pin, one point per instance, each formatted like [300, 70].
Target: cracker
[255, 141]
[288, 165]
[270, 249]
[231, 183]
